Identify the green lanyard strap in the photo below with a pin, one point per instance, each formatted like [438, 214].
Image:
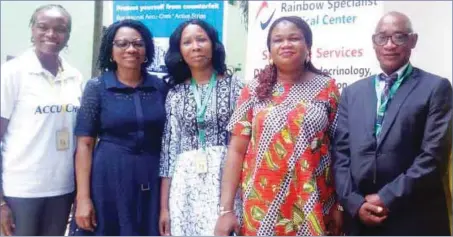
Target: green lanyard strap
[201, 107]
[385, 101]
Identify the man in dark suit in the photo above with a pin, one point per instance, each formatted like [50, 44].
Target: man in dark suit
[393, 141]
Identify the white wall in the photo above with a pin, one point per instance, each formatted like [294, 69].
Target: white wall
[16, 33]
[236, 38]
[432, 20]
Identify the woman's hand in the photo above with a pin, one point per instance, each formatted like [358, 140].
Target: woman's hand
[226, 224]
[7, 220]
[85, 215]
[164, 222]
[335, 224]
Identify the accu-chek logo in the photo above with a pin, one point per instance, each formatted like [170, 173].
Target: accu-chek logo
[265, 23]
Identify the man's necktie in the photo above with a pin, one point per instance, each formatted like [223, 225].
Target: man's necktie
[389, 81]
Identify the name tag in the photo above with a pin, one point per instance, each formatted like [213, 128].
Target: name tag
[62, 139]
[201, 162]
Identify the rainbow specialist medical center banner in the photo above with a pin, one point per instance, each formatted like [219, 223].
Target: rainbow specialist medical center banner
[162, 18]
[342, 32]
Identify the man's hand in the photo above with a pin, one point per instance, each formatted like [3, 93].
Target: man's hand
[376, 200]
[371, 214]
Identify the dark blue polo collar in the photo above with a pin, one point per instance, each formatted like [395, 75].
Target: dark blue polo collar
[112, 82]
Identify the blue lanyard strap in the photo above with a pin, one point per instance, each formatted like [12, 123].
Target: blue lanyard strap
[201, 107]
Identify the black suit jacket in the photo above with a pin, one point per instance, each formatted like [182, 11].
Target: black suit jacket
[407, 161]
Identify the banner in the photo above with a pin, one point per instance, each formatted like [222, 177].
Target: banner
[162, 18]
[342, 33]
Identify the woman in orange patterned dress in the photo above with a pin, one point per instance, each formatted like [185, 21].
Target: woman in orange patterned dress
[279, 150]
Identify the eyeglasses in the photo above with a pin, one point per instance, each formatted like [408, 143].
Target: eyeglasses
[397, 39]
[124, 44]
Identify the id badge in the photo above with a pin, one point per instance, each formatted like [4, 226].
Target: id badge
[62, 139]
[201, 163]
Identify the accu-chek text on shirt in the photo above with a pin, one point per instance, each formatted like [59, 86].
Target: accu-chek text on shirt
[41, 109]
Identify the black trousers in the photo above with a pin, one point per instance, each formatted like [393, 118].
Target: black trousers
[46, 216]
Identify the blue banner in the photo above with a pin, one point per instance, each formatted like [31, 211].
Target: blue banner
[162, 18]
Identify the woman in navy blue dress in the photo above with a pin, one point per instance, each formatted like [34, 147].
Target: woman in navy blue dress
[118, 184]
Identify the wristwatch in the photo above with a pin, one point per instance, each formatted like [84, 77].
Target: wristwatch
[221, 210]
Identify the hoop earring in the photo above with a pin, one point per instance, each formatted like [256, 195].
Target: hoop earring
[111, 60]
[146, 60]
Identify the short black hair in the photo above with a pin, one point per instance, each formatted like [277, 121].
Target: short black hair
[105, 51]
[48, 7]
[178, 69]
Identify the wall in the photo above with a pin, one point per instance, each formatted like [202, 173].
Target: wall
[432, 20]
[236, 39]
[16, 34]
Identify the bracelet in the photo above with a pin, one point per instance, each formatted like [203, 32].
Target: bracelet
[221, 210]
[222, 213]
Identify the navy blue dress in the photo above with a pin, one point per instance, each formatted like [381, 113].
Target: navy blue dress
[125, 183]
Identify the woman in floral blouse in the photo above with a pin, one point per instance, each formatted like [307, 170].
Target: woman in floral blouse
[279, 150]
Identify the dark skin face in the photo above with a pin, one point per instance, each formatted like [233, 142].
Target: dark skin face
[129, 51]
[391, 56]
[196, 47]
[288, 49]
[50, 32]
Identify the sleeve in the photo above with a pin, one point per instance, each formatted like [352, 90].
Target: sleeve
[241, 121]
[236, 86]
[171, 136]
[9, 90]
[436, 148]
[347, 193]
[327, 181]
[334, 96]
[88, 117]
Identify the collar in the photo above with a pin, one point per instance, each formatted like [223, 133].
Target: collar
[398, 72]
[34, 66]
[112, 82]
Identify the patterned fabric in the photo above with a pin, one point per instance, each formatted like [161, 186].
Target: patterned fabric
[287, 183]
[194, 197]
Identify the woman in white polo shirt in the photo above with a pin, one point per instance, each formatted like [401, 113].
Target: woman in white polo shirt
[40, 95]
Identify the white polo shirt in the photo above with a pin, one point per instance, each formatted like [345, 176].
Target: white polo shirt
[37, 105]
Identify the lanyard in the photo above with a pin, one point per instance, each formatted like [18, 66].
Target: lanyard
[201, 107]
[394, 88]
[385, 101]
